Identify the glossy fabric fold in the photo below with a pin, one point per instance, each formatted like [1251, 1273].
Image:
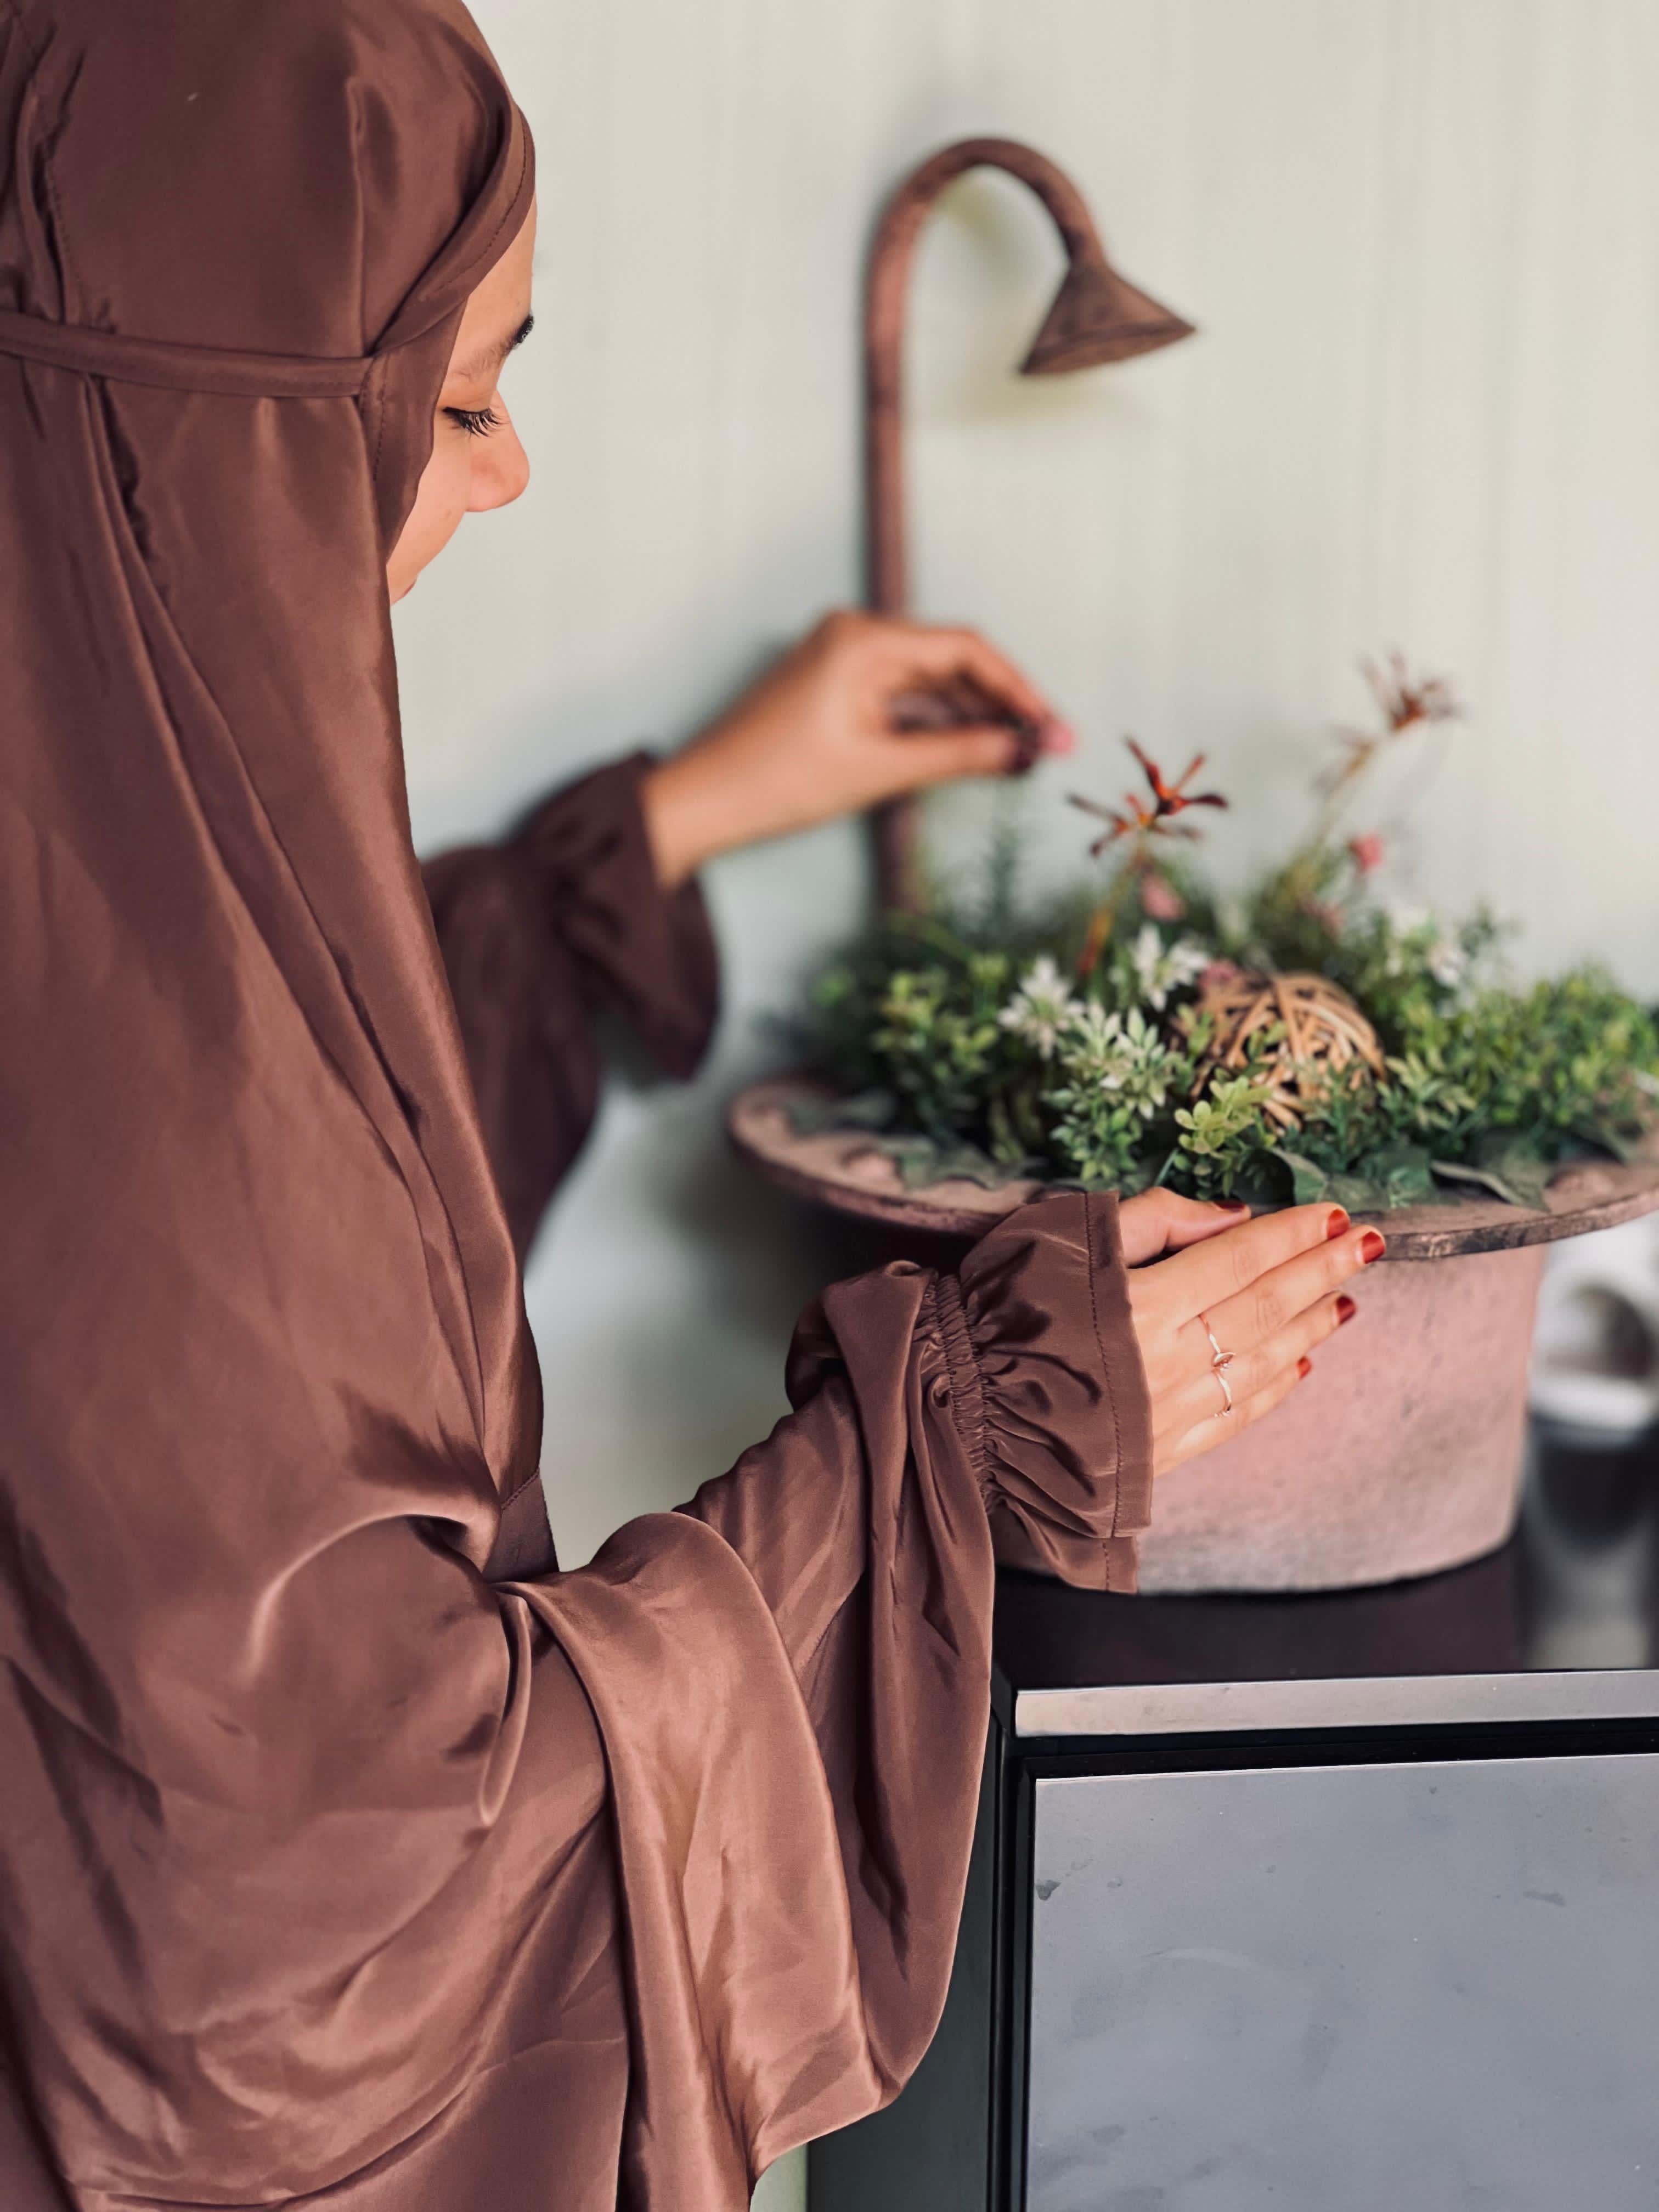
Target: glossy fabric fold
[350, 1856]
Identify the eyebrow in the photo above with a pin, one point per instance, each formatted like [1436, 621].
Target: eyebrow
[492, 355]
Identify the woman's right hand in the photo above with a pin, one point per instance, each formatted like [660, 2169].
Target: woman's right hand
[823, 734]
[1269, 1290]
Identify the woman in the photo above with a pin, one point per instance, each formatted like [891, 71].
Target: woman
[352, 1856]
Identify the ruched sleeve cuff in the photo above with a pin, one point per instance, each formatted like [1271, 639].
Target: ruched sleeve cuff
[541, 932]
[648, 950]
[1048, 1391]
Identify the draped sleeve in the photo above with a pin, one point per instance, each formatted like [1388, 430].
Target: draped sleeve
[793, 1826]
[542, 936]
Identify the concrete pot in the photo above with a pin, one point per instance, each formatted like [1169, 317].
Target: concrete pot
[1401, 1453]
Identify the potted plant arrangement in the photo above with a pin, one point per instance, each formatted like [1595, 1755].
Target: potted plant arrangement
[1303, 1040]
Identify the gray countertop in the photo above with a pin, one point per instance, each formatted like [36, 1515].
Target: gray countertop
[1562, 1624]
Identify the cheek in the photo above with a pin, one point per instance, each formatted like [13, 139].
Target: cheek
[441, 501]
[445, 485]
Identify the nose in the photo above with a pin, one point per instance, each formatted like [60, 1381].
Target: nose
[500, 466]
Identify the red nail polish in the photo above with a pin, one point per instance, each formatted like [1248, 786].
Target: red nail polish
[1230, 1205]
[1372, 1245]
[1337, 1226]
[1304, 1368]
[1345, 1310]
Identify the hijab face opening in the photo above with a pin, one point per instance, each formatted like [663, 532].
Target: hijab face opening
[477, 462]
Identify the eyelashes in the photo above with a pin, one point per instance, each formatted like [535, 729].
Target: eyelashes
[477, 422]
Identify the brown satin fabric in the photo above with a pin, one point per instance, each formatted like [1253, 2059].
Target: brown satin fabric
[559, 923]
[350, 1856]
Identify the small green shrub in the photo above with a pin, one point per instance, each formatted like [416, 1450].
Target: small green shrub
[1071, 1043]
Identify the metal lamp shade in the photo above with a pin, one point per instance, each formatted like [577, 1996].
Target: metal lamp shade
[1097, 317]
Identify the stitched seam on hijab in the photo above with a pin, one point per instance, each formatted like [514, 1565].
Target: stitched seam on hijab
[375, 383]
[967, 1383]
[481, 260]
[1089, 1205]
[530, 1482]
[512, 200]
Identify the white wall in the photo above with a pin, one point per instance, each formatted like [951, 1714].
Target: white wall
[1421, 237]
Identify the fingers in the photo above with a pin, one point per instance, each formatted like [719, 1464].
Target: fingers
[1251, 1374]
[939, 653]
[1220, 1428]
[923, 760]
[1159, 1221]
[1220, 1268]
[1257, 1315]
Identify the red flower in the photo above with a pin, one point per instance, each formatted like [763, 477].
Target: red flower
[1366, 851]
[1168, 800]
[1406, 700]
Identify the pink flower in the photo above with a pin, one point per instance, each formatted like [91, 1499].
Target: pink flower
[1159, 898]
[1366, 851]
[1219, 975]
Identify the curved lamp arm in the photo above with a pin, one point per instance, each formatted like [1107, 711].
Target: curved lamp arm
[1096, 317]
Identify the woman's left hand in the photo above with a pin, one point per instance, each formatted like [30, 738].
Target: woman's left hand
[1211, 1289]
[822, 734]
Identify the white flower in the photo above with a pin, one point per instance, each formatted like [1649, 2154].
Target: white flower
[1416, 935]
[1121, 1053]
[1159, 972]
[1411, 930]
[1408, 921]
[1094, 1045]
[1041, 1008]
[1448, 963]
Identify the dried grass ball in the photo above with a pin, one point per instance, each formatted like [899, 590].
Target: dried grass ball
[1326, 1039]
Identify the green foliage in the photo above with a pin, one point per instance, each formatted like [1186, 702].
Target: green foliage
[1225, 1134]
[969, 1043]
[1569, 1062]
[937, 1037]
[1122, 1078]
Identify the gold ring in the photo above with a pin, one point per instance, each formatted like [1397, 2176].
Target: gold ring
[1220, 1361]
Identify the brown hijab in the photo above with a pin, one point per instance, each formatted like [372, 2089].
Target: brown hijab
[258, 1311]
[349, 1854]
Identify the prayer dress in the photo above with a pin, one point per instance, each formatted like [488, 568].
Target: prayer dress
[352, 1856]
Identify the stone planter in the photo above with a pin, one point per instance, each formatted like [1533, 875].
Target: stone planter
[1401, 1453]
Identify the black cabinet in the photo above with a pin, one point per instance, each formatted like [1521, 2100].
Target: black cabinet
[1344, 1904]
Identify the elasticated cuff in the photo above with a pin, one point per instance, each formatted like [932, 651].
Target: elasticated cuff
[1048, 1389]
